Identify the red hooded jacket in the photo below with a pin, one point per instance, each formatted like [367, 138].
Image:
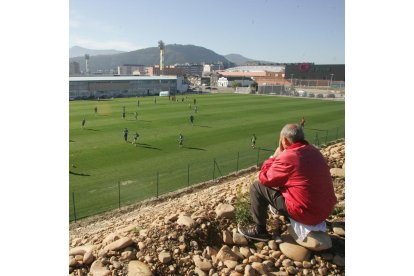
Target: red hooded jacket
[302, 175]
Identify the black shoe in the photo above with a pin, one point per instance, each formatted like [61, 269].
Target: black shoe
[251, 233]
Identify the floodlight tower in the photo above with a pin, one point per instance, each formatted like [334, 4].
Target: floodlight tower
[86, 63]
[161, 45]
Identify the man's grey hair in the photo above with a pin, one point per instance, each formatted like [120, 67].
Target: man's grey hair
[293, 132]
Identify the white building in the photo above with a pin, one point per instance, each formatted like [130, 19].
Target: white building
[124, 86]
[223, 82]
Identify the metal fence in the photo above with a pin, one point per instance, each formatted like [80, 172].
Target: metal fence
[153, 184]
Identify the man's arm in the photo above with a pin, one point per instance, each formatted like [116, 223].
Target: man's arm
[274, 172]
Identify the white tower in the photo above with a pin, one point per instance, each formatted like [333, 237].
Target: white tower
[87, 64]
[161, 45]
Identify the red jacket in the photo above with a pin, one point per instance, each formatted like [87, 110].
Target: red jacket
[302, 175]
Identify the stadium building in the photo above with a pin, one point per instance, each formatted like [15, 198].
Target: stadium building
[124, 86]
[311, 71]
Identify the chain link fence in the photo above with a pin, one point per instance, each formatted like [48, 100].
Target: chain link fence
[153, 184]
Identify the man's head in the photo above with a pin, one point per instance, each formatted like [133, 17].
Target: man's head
[290, 134]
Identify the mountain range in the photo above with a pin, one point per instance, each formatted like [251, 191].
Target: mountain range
[106, 60]
[77, 51]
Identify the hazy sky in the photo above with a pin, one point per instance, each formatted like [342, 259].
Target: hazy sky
[271, 30]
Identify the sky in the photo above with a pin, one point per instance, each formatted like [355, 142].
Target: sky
[270, 30]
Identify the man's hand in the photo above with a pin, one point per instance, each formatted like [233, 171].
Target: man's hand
[281, 147]
[277, 151]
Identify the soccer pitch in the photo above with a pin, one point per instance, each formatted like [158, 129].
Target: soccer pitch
[106, 172]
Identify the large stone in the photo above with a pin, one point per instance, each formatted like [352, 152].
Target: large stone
[337, 172]
[225, 211]
[81, 250]
[187, 221]
[227, 238]
[236, 250]
[294, 251]
[239, 239]
[119, 244]
[272, 244]
[110, 238]
[211, 251]
[98, 269]
[249, 271]
[164, 257]
[225, 254]
[245, 251]
[86, 251]
[259, 267]
[137, 268]
[230, 264]
[88, 257]
[203, 265]
[315, 240]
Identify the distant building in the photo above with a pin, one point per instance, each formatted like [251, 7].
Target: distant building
[124, 86]
[271, 78]
[246, 75]
[223, 82]
[191, 69]
[169, 70]
[131, 69]
[310, 71]
[74, 68]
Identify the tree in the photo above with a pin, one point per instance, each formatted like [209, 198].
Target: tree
[253, 87]
[235, 84]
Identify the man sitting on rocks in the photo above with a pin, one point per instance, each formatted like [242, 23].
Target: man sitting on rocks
[296, 182]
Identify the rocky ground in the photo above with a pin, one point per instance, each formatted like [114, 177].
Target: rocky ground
[193, 232]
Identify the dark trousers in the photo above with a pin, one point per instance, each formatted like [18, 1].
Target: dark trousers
[260, 198]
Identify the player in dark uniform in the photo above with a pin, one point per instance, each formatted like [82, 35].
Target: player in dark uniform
[83, 122]
[192, 119]
[136, 135]
[126, 134]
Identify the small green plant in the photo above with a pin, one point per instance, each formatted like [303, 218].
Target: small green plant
[242, 210]
[340, 212]
[136, 230]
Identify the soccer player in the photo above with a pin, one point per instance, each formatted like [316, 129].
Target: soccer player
[253, 141]
[83, 122]
[136, 135]
[126, 134]
[180, 140]
[302, 122]
[136, 115]
[192, 119]
[96, 109]
[123, 115]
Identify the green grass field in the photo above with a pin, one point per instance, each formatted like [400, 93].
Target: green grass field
[105, 172]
